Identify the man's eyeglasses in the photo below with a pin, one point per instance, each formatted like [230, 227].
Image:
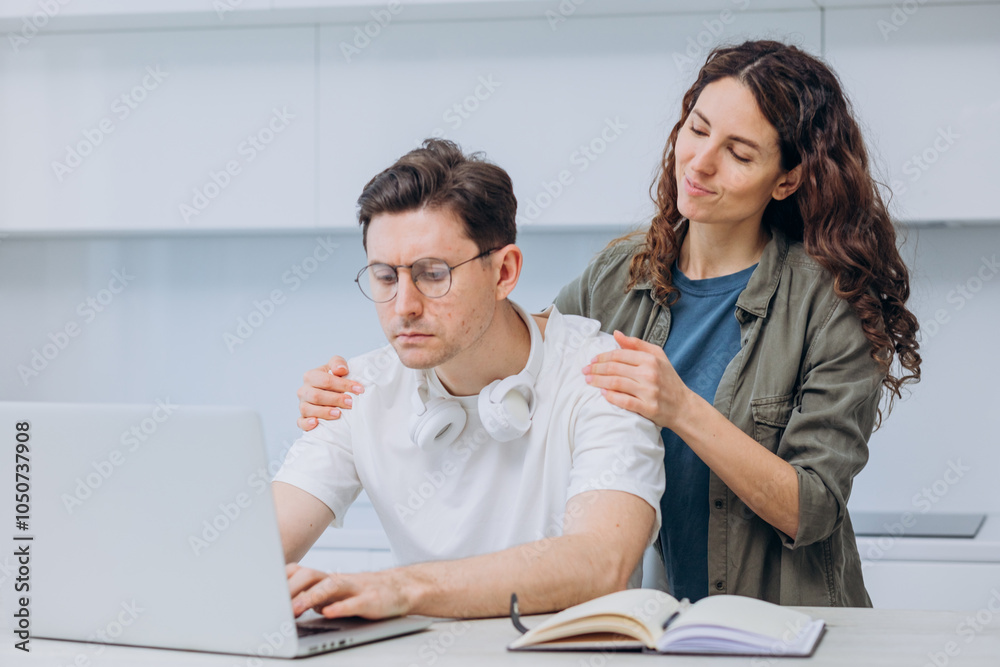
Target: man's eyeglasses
[431, 276]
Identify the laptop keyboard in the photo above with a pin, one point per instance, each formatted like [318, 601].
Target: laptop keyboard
[308, 630]
[315, 626]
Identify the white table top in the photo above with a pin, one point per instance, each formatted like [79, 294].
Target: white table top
[853, 637]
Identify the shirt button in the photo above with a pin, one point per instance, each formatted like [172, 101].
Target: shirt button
[718, 503]
[719, 585]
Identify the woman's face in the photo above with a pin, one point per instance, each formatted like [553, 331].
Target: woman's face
[728, 163]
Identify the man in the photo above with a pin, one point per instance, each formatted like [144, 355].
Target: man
[493, 466]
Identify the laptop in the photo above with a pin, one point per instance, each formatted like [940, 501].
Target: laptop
[154, 525]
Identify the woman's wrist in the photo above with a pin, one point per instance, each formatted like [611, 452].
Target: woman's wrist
[684, 416]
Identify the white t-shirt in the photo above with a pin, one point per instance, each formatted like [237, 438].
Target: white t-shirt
[479, 495]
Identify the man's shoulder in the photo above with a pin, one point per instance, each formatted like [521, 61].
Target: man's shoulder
[575, 337]
[379, 368]
[571, 342]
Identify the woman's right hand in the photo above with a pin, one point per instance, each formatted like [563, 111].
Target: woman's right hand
[325, 392]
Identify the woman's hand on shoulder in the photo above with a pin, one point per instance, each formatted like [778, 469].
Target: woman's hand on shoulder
[639, 378]
[325, 392]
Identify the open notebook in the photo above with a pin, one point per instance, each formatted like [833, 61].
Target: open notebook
[651, 620]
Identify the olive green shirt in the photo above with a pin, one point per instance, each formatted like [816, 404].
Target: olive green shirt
[803, 385]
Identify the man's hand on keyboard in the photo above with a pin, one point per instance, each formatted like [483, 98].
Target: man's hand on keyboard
[366, 594]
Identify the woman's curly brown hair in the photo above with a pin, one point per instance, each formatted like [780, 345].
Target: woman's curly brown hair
[838, 212]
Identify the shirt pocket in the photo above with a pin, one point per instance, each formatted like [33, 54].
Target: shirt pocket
[770, 417]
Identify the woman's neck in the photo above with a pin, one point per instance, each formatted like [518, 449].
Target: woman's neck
[710, 251]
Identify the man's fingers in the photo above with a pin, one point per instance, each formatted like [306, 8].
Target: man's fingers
[303, 579]
[329, 588]
[352, 606]
[314, 589]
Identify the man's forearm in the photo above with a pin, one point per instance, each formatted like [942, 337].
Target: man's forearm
[302, 518]
[547, 575]
[605, 535]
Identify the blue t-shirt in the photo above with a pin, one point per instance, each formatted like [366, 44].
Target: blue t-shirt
[704, 337]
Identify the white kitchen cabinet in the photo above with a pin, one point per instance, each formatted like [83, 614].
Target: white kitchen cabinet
[61, 15]
[574, 100]
[932, 585]
[933, 573]
[163, 130]
[924, 80]
[578, 115]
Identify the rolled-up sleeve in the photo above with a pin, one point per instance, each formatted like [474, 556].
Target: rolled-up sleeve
[826, 438]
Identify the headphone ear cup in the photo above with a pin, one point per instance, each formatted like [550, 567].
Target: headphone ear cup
[504, 409]
[439, 425]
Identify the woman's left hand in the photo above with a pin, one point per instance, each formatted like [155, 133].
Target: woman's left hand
[639, 378]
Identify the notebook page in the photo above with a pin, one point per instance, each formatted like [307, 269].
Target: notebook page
[746, 614]
[649, 607]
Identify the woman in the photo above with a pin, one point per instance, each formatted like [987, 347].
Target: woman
[766, 211]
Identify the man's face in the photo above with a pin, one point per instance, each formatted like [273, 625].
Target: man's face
[428, 332]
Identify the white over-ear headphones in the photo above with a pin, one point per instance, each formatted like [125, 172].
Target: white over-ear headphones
[505, 406]
[437, 421]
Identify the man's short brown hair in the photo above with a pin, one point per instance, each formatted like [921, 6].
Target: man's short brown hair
[439, 176]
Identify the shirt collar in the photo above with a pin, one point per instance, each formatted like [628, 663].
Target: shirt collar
[764, 282]
[756, 298]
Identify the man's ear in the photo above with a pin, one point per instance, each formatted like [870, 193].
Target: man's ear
[507, 262]
[788, 184]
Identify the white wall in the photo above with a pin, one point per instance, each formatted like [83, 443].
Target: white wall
[163, 335]
[950, 416]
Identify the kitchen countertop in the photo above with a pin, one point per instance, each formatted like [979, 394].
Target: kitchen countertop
[983, 548]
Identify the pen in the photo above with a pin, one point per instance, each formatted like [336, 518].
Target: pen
[681, 607]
